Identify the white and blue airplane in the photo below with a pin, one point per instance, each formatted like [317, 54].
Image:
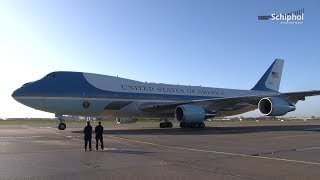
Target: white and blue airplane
[95, 95]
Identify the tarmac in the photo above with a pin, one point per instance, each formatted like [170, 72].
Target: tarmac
[144, 151]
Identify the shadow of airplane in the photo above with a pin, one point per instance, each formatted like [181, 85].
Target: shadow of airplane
[209, 130]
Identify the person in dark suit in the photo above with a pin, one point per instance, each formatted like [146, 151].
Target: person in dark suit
[87, 136]
[99, 131]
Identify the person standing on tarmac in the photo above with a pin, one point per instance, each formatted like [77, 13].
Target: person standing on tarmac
[87, 136]
[99, 131]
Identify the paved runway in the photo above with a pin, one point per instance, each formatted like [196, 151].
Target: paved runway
[147, 152]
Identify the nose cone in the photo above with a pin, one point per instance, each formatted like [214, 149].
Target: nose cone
[22, 91]
[25, 95]
[16, 94]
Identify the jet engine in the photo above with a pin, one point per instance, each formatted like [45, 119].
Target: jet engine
[126, 120]
[274, 106]
[190, 113]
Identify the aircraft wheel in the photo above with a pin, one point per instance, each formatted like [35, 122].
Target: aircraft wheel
[165, 125]
[202, 125]
[62, 126]
[182, 125]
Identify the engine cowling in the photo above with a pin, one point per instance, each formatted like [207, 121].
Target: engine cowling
[274, 106]
[126, 120]
[190, 113]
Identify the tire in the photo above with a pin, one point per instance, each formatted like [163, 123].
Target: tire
[62, 126]
[202, 125]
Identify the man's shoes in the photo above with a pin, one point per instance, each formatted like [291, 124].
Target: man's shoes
[85, 150]
[96, 149]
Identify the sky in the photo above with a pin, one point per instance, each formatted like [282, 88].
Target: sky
[198, 42]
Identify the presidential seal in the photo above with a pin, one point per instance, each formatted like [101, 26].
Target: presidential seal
[85, 105]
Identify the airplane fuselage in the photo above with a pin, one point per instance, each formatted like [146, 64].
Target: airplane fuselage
[95, 95]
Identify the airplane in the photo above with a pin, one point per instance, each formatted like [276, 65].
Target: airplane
[96, 95]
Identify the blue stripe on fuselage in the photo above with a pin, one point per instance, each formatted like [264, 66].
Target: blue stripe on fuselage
[73, 84]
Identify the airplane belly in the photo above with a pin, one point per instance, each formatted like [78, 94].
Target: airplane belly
[130, 109]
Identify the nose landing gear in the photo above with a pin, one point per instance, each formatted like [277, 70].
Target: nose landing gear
[62, 125]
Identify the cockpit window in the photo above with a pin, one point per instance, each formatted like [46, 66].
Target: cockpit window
[27, 84]
[51, 75]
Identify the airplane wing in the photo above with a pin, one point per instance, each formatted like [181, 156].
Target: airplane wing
[296, 96]
[228, 103]
[218, 103]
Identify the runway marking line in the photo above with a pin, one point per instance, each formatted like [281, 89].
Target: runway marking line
[309, 148]
[218, 152]
[294, 136]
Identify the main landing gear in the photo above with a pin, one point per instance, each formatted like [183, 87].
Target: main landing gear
[192, 125]
[62, 125]
[166, 125]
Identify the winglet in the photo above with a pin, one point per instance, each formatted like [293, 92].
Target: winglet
[270, 81]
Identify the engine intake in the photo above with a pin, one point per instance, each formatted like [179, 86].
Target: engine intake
[190, 113]
[274, 106]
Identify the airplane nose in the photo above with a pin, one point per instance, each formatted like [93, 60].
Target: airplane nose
[21, 91]
[16, 93]
[25, 95]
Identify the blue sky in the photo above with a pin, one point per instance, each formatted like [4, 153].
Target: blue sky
[204, 42]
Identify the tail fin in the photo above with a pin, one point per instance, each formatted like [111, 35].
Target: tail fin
[270, 81]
